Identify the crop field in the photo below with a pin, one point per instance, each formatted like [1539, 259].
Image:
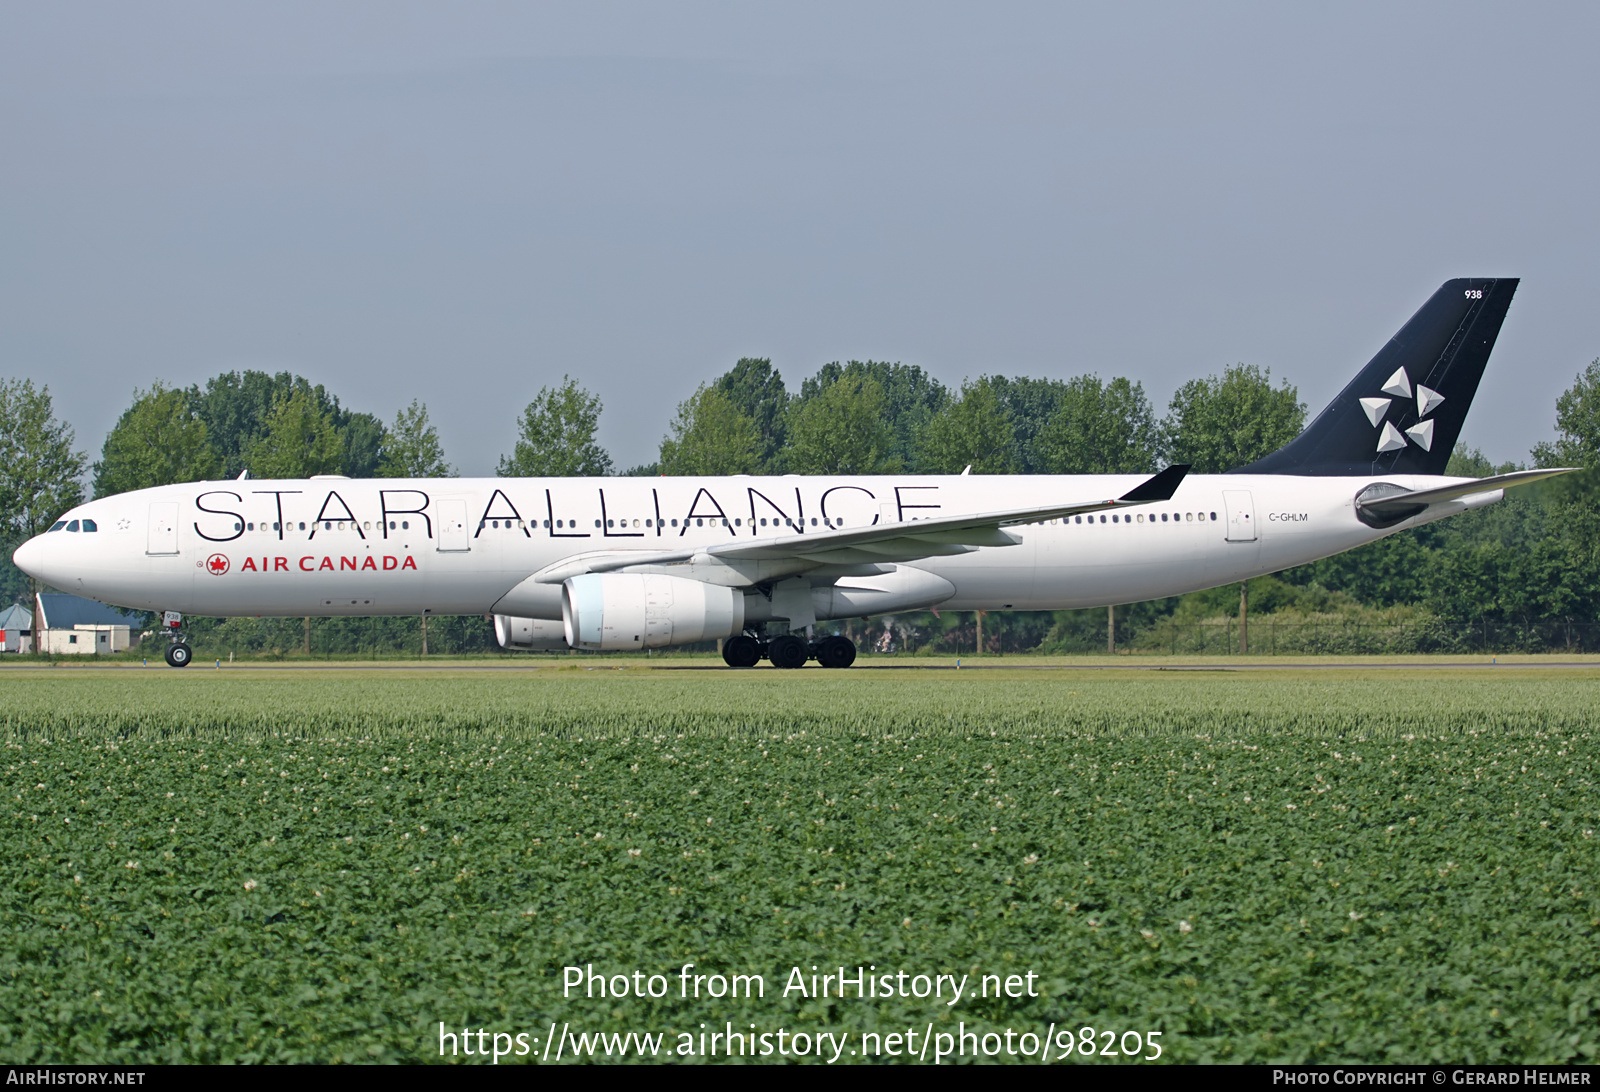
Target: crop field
[1330, 865]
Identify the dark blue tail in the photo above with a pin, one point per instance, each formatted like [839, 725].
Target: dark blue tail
[1403, 413]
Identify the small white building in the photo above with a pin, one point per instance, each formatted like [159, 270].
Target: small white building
[71, 625]
[87, 640]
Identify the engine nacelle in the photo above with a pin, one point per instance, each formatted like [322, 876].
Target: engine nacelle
[530, 634]
[629, 610]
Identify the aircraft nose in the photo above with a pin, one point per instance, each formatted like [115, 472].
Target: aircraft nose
[29, 557]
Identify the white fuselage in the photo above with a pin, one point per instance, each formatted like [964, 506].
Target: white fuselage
[459, 545]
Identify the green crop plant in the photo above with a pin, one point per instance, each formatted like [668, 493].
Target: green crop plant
[1331, 865]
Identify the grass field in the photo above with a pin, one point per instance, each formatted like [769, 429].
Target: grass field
[1321, 865]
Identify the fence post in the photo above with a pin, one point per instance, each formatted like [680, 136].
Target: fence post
[1244, 617]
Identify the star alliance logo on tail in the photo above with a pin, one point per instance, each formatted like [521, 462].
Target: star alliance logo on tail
[1421, 433]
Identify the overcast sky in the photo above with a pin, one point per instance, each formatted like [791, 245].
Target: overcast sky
[462, 202]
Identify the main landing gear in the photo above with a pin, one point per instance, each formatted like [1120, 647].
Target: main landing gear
[178, 652]
[789, 650]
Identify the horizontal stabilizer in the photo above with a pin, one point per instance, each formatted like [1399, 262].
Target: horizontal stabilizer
[1392, 504]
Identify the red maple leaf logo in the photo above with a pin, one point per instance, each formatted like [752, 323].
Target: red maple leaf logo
[217, 564]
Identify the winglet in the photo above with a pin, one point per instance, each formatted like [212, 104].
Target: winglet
[1159, 488]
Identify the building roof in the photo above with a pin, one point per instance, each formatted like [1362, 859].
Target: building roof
[16, 617]
[62, 611]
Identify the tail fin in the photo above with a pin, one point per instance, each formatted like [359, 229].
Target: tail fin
[1403, 413]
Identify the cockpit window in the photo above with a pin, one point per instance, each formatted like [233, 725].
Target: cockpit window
[73, 526]
[60, 523]
[90, 525]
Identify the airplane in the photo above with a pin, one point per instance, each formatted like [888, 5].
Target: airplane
[758, 562]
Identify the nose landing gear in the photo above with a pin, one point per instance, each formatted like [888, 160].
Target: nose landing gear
[178, 652]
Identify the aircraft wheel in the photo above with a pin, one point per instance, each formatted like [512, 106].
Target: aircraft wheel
[178, 654]
[788, 651]
[741, 651]
[836, 651]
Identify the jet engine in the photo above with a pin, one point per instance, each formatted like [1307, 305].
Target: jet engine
[642, 610]
[529, 634]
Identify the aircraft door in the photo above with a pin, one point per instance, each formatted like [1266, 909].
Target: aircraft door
[163, 538]
[1241, 514]
[453, 526]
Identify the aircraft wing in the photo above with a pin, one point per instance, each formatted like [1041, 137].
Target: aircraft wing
[910, 540]
[1388, 504]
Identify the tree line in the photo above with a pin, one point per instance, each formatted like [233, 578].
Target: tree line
[1533, 557]
[876, 417]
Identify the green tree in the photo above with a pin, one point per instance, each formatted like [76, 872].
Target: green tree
[39, 471]
[756, 388]
[911, 398]
[1577, 440]
[1031, 405]
[1217, 424]
[974, 430]
[711, 435]
[412, 448]
[299, 440]
[159, 440]
[362, 439]
[841, 430]
[1100, 428]
[556, 436]
[235, 408]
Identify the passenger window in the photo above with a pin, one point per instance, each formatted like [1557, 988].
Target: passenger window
[674, 523]
[597, 523]
[405, 525]
[249, 527]
[1213, 517]
[647, 523]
